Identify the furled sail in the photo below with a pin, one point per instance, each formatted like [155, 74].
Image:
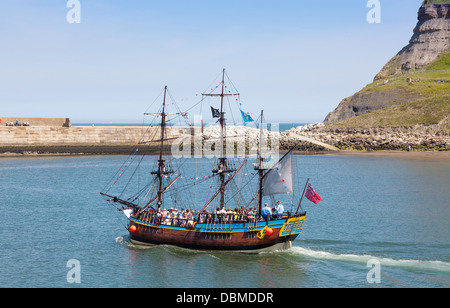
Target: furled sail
[279, 179]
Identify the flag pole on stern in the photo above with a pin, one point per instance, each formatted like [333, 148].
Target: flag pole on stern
[301, 199]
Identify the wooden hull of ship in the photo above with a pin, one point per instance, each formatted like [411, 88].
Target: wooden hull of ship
[231, 237]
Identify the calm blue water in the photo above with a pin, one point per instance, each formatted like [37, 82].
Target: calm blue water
[396, 211]
[282, 126]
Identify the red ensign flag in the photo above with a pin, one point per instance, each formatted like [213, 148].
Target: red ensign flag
[312, 195]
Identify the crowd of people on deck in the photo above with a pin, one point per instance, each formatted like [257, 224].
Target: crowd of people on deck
[186, 218]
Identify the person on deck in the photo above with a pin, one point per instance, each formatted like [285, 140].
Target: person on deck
[222, 214]
[280, 209]
[265, 213]
[274, 213]
[250, 215]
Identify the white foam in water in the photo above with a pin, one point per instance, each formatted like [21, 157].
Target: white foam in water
[122, 241]
[125, 242]
[416, 264]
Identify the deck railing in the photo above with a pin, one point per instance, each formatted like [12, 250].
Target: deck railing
[216, 223]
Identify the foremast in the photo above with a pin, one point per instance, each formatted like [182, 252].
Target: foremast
[162, 170]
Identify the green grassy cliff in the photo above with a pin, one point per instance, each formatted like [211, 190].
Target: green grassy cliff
[413, 88]
[427, 96]
[431, 2]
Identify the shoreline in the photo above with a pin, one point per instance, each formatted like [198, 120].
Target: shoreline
[441, 155]
[66, 151]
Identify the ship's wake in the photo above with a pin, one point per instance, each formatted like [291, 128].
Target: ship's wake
[439, 266]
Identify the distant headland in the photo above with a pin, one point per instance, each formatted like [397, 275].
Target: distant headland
[408, 104]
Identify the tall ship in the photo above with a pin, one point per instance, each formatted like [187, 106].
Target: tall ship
[229, 214]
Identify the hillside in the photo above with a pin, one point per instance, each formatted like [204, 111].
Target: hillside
[407, 106]
[430, 39]
[419, 97]
[431, 2]
[420, 72]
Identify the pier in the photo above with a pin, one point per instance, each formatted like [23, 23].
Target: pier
[58, 136]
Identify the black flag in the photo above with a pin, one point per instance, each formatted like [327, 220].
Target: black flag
[215, 113]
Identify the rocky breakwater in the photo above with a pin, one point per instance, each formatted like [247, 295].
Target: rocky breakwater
[239, 138]
[418, 137]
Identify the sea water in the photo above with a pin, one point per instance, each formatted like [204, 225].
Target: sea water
[282, 127]
[383, 222]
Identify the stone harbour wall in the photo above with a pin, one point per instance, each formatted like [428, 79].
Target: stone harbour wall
[55, 122]
[81, 135]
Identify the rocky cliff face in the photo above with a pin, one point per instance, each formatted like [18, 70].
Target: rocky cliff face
[431, 39]
[368, 101]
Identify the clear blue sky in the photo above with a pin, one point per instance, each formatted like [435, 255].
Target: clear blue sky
[295, 59]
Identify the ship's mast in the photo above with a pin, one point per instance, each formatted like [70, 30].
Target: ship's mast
[222, 168]
[161, 165]
[260, 166]
[222, 159]
[162, 168]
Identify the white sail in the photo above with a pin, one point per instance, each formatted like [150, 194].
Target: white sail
[279, 179]
[128, 213]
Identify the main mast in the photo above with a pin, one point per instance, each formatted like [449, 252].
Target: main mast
[222, 159]
[260, 167]
[222, 168]
[161, 165]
